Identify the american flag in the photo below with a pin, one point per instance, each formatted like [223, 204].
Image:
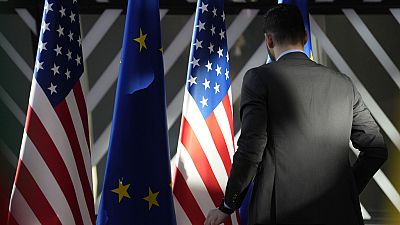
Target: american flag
[53, 179]
[205, 147]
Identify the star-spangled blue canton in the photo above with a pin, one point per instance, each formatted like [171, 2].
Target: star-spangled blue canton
[208, 79]
[59, 60]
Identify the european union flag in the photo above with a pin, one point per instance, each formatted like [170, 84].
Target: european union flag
[137, 183]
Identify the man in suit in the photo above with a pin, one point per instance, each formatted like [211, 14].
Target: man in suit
[297, 119]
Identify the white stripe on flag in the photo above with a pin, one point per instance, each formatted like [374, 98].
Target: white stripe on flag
[80, 133]
[234, 220]
[45, 180]
[223, 123]
[194, 181]
[199, 127]
[181, 217]
[42, 107]
[230, 96]
[20, 209]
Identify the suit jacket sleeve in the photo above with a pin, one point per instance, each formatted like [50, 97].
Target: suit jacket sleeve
[252, 141]
[366, 137]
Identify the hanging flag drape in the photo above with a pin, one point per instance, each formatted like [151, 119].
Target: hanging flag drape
[205, 146]
[53, 180]
[137, 183]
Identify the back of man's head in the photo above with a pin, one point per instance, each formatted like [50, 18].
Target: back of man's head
[285, 23]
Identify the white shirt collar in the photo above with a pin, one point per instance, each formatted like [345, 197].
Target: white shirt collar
[287, 52]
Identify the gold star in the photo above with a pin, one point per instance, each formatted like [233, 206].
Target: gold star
[152, 198]
[122, 191]
[161, 50]
[141, 40]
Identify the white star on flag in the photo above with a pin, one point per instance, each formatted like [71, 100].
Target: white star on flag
[212, 30]
[222, 34]
[204, 102]
[69, 55]
[44, 27]
[216, 88]
[62, 11]
[55, 69]
[58, 50]
[72, 17]
[79, 41]
[201, 26]
[68, 74]
[209, 64]
[198, 44]
[78, 60]
[71, 36]
[38, 65]
[220, 54]
[218, 70]
[195, 62]
[60, 31]
[52, 88]
[47, 7]
[206, 84]
[192, 80]
[211, 47]
[203, 7]
[42, 46]
[226, 74]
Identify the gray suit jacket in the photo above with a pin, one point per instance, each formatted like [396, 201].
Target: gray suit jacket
[297, 119]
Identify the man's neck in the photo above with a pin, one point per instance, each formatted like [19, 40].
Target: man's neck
[281, 49]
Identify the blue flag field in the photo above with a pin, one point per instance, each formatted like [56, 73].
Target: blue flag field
[137, 183]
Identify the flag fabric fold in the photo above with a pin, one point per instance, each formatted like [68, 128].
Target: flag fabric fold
[205, 146]
[137, 182]
[53, 182]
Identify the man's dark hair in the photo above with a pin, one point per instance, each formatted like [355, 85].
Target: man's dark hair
[286, 24]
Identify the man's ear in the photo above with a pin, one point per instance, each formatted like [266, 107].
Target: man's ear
[269, 40]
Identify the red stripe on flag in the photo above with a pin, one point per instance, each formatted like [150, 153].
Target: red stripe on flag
[219, 141]
[47, 149]
[228, 109]
[35, 198]
[187, 200]
[64, 115]
[80, 101]
[191, 143]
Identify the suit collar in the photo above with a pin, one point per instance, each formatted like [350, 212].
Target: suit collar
[294, 55]
[287, 52]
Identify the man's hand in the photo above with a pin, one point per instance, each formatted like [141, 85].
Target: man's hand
[215, 217]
